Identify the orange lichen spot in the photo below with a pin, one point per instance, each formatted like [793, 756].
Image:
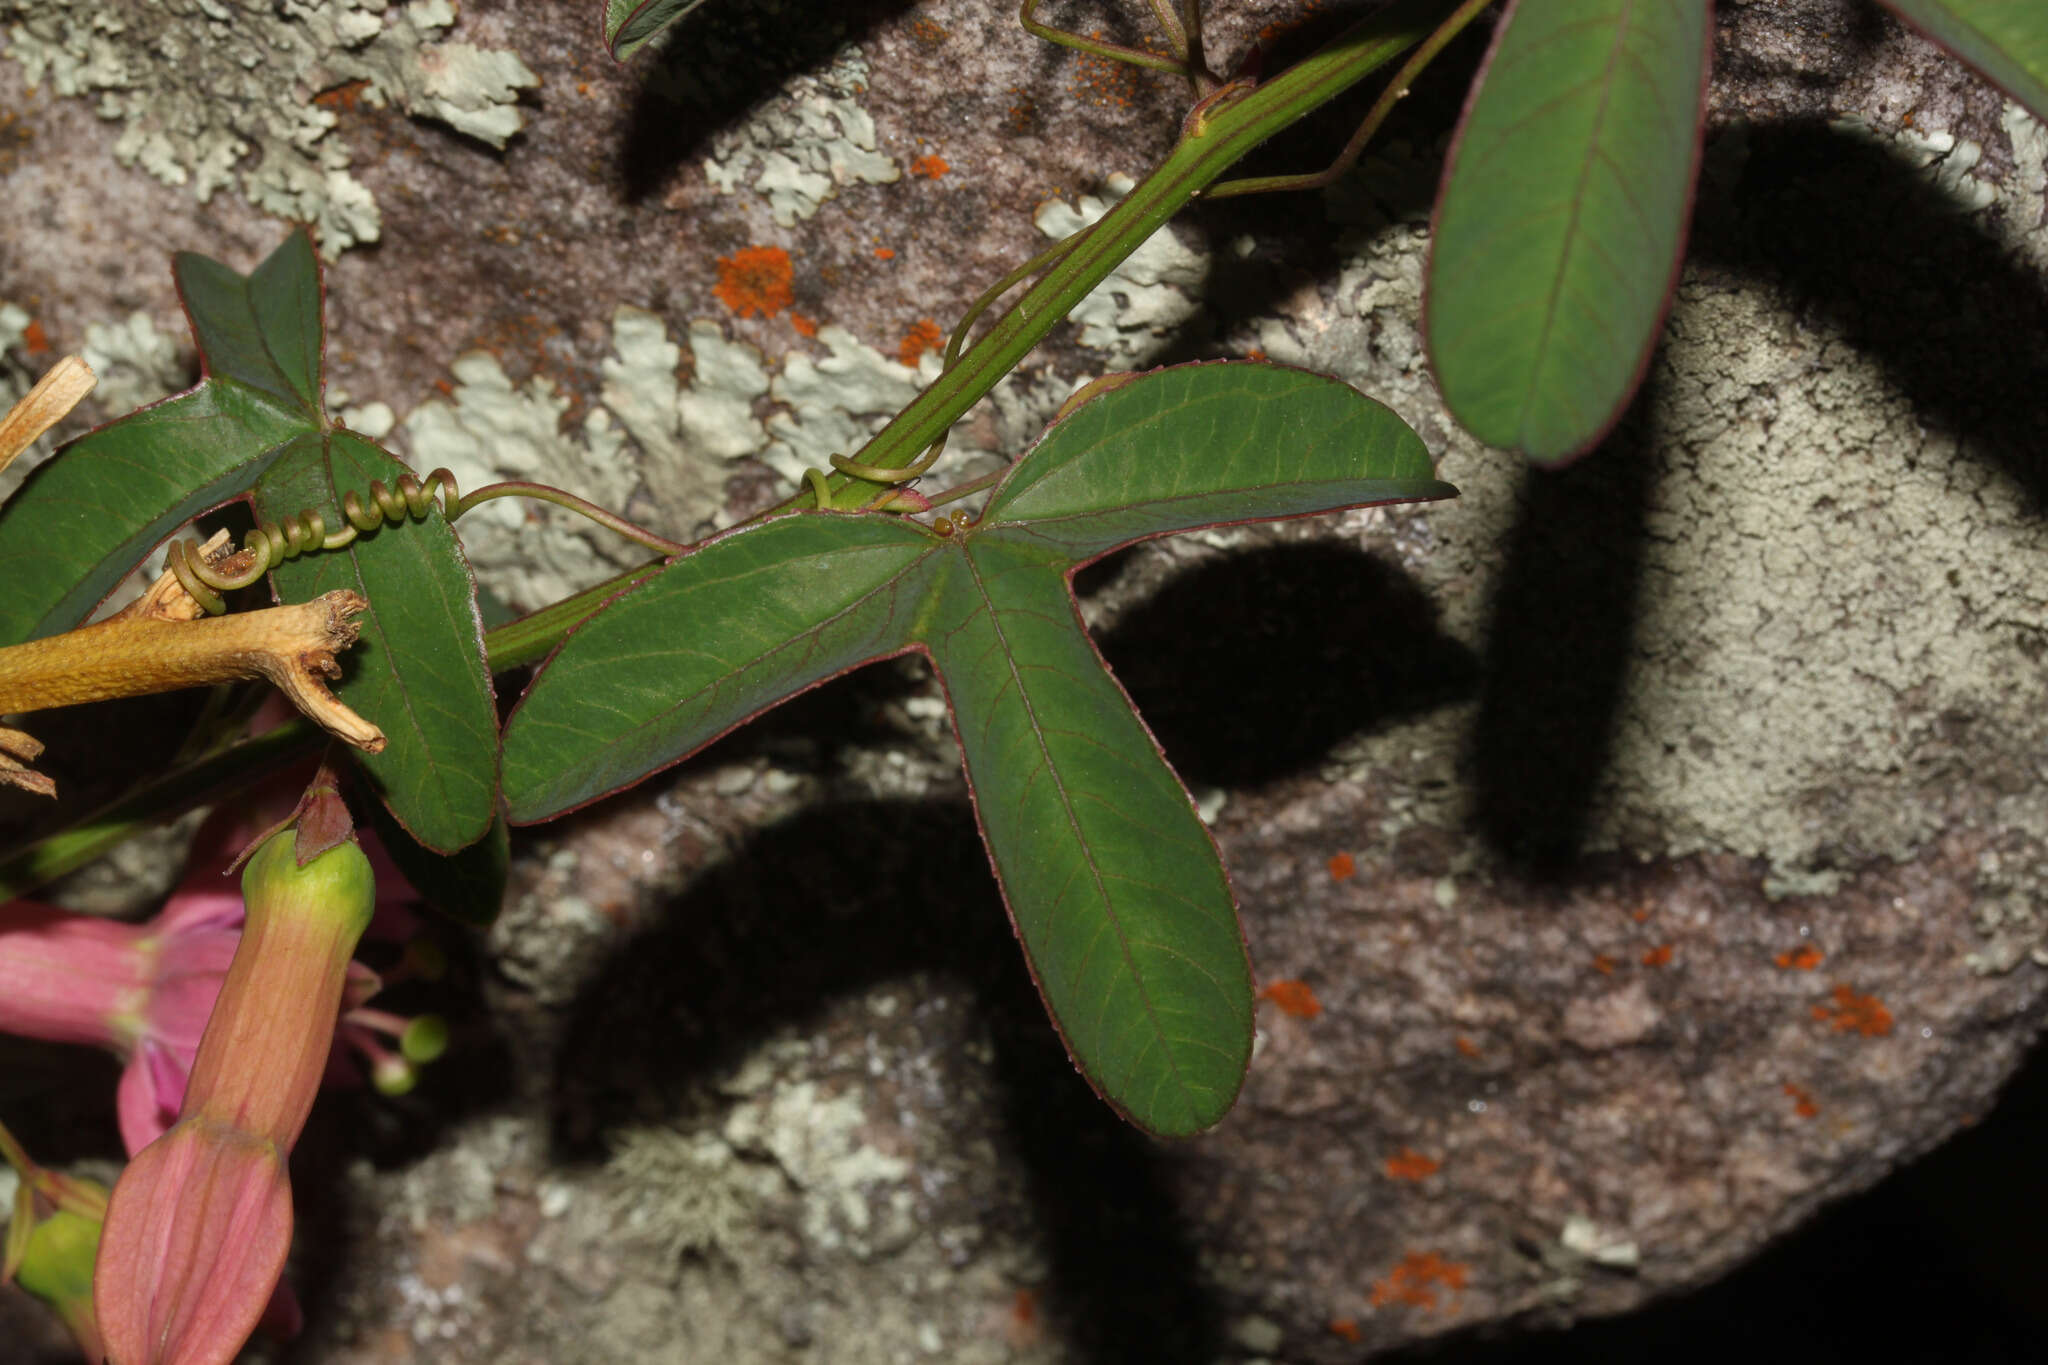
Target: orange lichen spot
[1804, 958]
[583, 88]
[1659, 956]
[929, 167]
[1802, 1101]
[1103, 81]
[1853, 1013]
[447, 389]
[756, 279]
[343, 97]
[34, 339]
[805, 326]
[1346, 1329]
[1409, 1164]
[924, 335]
[1641, 914]
[927, 33]
[1466, 1047]
[1293, 997]
[1414, 1281]
[1342, 865]
[1023, 115]
[1254, 354]
[883, 253]
[1604, 964]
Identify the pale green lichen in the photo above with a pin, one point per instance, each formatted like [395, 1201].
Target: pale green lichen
[135, 361]
[834, 403]
[677, 442]
[1830, 624]
[529, 553]
[1149, 297]
[809, 141]
[216, 94]
[686, 433]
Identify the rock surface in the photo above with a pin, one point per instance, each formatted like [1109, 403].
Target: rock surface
[1660, 843]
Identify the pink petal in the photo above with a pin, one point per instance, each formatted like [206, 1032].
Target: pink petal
[196, 1236]
[145, 1111]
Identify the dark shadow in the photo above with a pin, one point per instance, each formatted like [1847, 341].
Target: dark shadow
[1251, 667]
[355, 1123]
[836, 900]
[1871, 247]
[722, 61]
[1562, 622]
[1940, 1264]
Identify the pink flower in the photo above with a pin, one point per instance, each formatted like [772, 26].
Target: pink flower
[140, 990]
[200, 1221]
[144, 991]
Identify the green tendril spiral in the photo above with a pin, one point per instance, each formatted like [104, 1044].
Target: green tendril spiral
[273, 542]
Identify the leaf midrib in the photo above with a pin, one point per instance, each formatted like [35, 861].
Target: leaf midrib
[1066, 804]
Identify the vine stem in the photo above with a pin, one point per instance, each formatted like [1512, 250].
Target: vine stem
[611, 521]
[1396, 90]
[1216, 133]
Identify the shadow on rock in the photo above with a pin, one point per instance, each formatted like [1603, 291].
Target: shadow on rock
[1254, 666]
[721, 62]
[1562, 625]
[832, 902]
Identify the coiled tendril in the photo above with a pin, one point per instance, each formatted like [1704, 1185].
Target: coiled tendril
[273, 542]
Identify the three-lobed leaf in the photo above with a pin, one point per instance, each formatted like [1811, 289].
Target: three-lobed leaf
[2007, 40]
[255, 426]
[1562, 217]
[1113, 883]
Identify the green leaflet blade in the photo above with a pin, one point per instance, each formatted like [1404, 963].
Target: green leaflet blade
[260, 329]
[1117, 892]
[80, 523]
[725, 632]
[1562, 218]
[417, 670]
[1200, 444]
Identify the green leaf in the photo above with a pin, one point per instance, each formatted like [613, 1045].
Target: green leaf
[2007, 40]
[417, 670]
[1116, 890]
[1562, 218]
[630, 24]
[80, 523]
[76, 528]
[260, 329]
[746, 621]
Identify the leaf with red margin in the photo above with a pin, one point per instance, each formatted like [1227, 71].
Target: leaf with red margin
[1113, 883]
[1562, 218]
[83, 521]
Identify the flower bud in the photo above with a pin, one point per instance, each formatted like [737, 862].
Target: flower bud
[200, 1222]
